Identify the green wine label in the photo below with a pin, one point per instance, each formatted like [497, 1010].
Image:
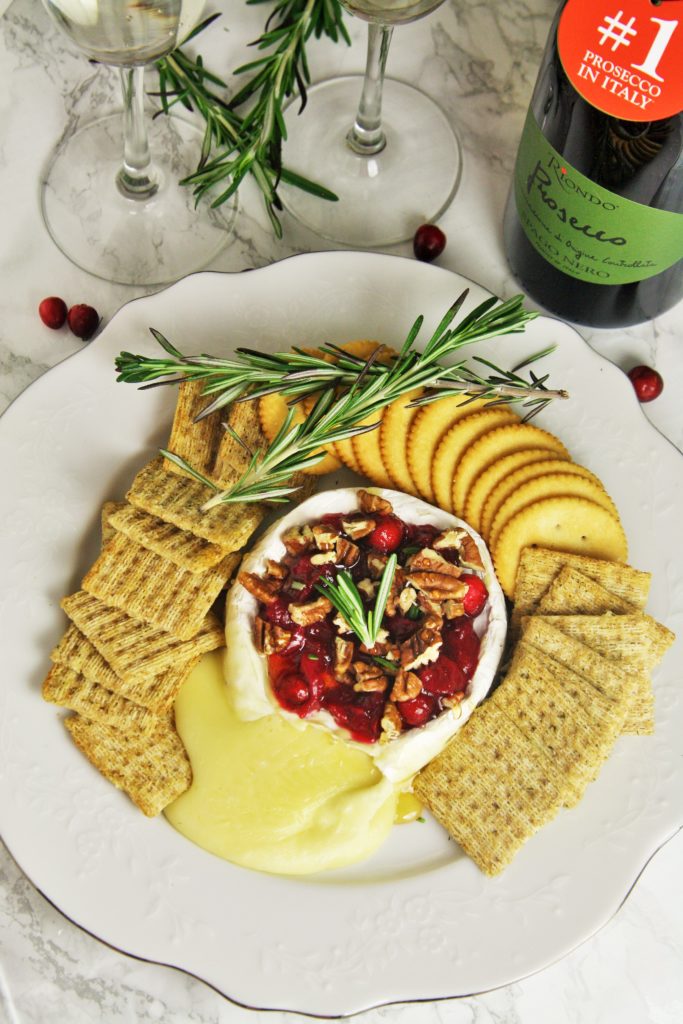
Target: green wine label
[583, 229]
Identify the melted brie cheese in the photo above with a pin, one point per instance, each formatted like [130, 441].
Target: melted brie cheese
[273, 795]
[246, 670]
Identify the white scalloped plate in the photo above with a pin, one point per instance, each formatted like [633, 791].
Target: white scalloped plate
[418, 921]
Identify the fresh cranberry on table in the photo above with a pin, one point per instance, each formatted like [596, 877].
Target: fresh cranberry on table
[52, 311]
[387, 535]
[429, 242]
[474, 600]
[83, 321]
[647, 383]
[444, 677]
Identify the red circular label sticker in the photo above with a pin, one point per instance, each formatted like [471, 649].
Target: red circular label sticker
[625, 56]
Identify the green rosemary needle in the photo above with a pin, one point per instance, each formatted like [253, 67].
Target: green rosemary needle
[343, 593]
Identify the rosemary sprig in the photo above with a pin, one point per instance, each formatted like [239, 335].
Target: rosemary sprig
[342, 412]
[295, 374]
[236, 145]
[346, 598]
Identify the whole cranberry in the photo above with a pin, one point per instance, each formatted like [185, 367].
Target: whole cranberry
[648, 384]
[461, 644]
[52, 311]
[418, 710]
[443, 677]
[292, 691]
[387, 535]
[428, 242]
[83, 321]
[474, 600]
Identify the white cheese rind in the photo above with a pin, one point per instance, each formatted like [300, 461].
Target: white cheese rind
[247, 673]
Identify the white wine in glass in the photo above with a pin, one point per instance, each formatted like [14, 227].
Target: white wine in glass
[110, 196]
[394, 166]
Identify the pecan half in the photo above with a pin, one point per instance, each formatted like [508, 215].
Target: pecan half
[370, 678]
[357, 528]
[264, 590]
[438, 586]
[406, 686]
[373, 503]
[431, 561]
[314, 611]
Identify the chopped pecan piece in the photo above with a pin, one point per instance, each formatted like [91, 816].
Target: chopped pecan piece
[326, 536]
[314, 611]
[370, 678]
[376, 565]
[395, 591]
[270, 638]
[341, 624]
[453, 700]
[392, 723]
[465, 545]
[357, 528]
[264, 590]
[424, 645]
[367, 587]
[470, 555]
[324, 558]
[370, 503]
[406, 599]
[347, 552]
[343, 656]
[453, 609]
[406, 686]
[298, 539]
[275, 570]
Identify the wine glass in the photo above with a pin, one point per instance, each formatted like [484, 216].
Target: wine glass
[399, 163]
[109, 207]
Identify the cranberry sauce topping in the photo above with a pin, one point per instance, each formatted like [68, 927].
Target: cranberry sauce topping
[427, 649]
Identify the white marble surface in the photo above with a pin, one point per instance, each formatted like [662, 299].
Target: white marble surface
[480, 61]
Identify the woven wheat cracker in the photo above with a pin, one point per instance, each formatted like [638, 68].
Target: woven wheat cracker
[137, 652]
[491, 788]
[68, 689]
[179, 500]
[153, 590]
[180, 547]
[630, 639]
[196, 442]
[233, 456]
[562, 713]
[572, 593]
[152, 770]
[108, 510]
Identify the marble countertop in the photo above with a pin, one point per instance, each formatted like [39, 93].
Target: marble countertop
[479, 61]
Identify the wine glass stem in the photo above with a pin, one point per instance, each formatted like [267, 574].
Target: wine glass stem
[137, 178]
[366, 136]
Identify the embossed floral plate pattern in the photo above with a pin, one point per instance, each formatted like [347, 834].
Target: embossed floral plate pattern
[418, 920]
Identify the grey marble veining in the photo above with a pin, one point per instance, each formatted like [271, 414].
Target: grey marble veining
[479, 60]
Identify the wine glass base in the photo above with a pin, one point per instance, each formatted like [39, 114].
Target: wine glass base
[131, 241]
[383, 198]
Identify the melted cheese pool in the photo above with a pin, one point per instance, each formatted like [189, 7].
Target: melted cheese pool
[273, 795]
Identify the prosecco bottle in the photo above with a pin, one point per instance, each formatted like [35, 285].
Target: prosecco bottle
[594, 221]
